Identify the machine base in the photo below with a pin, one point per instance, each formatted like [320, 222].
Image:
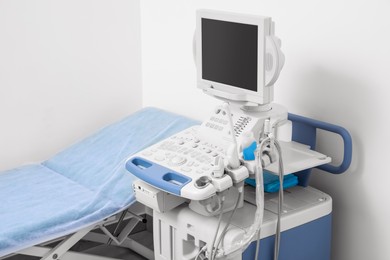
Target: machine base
[306, 228]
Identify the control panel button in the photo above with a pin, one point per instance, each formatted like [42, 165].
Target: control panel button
[186, 169]
[147, 153]
[159, 158]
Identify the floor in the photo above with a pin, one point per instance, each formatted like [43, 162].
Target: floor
[115, 252]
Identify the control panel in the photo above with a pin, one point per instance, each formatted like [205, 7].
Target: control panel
[182, 165]
[199, 161]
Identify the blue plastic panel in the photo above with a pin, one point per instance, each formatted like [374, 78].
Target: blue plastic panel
[157, 175]
[311, 241]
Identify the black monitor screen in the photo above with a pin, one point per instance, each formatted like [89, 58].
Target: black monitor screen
[229, 53]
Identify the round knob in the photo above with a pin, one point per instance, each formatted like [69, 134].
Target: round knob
[177, 160]
[202, 182]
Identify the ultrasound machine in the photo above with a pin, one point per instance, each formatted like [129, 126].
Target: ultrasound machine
[205, 185]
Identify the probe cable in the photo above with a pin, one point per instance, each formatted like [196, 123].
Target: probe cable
[280, 205]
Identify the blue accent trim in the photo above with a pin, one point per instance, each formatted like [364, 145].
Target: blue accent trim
[304, 131]
[249, 152]
[310, 241]
[157, 175]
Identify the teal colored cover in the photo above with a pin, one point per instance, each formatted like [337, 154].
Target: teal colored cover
[271, 181]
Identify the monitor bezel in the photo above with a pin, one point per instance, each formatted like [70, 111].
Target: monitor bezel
[263, 94]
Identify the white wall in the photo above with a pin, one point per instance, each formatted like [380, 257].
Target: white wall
[336, 70]
[67, 68]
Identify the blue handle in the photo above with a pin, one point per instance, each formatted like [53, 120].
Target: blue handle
[347, 157]
[157, 175]
[305, 132]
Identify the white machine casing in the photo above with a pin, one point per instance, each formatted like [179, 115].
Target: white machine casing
[155, 199]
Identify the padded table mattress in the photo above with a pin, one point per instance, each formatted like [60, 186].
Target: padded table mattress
[81, 185]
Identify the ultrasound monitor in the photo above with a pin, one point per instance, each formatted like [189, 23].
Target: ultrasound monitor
[237, 57]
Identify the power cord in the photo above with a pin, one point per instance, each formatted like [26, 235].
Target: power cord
[203, 249]
[216, 231]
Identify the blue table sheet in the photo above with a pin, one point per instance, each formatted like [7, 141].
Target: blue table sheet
[81, 185]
